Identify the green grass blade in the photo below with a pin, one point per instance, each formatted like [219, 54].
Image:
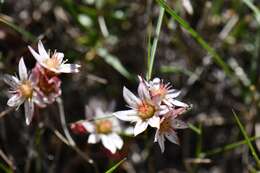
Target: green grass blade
[24, 33]
[112, 169]
[4, 168]
[154, 45]
[248, 142]
[149, 46]
[195, 129]
[254, 9]
[228, 147]
[217, 59]
[114, 62]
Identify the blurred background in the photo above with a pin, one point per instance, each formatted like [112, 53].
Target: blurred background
[110, 39]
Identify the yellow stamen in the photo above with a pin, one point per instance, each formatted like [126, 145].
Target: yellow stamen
[104, 126]
[146, 110]
[26, 89]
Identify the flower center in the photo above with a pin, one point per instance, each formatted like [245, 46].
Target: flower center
[146, 110]
[52, 62]
[104, 126]
[162, 91]
[26, 89]
[166, 125]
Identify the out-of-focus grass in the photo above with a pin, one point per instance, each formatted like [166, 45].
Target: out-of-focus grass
[197, 37]
[248, 142]
[113, 168]
[5, 168]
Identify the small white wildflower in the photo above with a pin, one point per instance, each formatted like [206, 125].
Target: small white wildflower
[54, 62]
[144, 110]
[168, 125]
[105, 127]
[22, 91]
[165, 92]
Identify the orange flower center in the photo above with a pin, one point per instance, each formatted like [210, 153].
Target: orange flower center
[162, 91]
[52, 62]
[146, 110]
[165, 125]
[26, 89]
[104, 126]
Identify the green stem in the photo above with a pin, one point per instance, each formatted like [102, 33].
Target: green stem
[154, 46]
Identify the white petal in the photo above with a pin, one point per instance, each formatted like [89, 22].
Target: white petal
[128, 115]
[43, 53]
[11, 80]
[108, 143]
[178, 103]
[156, 82]
[117, 140]
[172, 136]
[29, 110]
[178, 124]
[22, 70]
[154, 122]
[89, 126]
[38, 57]
[160, 139]
[187, 6]
[143, 91]
[93, 139]
[69, 68]
[173, 95]
[140, 127]
[15, 100]
[130, 98]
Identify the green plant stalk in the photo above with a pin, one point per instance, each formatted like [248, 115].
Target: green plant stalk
[18, 29]
[154, 45]
[195, 129]
[112, 169]
[248, 142]
[254, 9]
[217, 59]
[228, 147]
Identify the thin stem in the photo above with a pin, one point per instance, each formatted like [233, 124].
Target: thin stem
[63, 122]
[7, 160]
[7, 111]
[248, 142]
[154, 46]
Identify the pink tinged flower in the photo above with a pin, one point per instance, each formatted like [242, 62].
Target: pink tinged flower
[48, 87]
[55, 62]
[168, 125]
[163, 91]
[22, 91]
[144, 110]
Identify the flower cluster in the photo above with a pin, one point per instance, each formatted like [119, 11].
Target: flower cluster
[155, 106]
[42, 85]
[103, 127]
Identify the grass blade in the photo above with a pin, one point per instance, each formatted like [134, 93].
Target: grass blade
[228, 147]
[114, 62]
[217, 59]
[248, 142]
[154, 45]
[113, 168]
[18, 29]
[254, 9]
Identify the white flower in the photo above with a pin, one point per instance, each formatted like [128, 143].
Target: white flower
[22, 91]
[168, 125]
[144, 110]
[55, 62]
[165, 92]
[105, 127]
